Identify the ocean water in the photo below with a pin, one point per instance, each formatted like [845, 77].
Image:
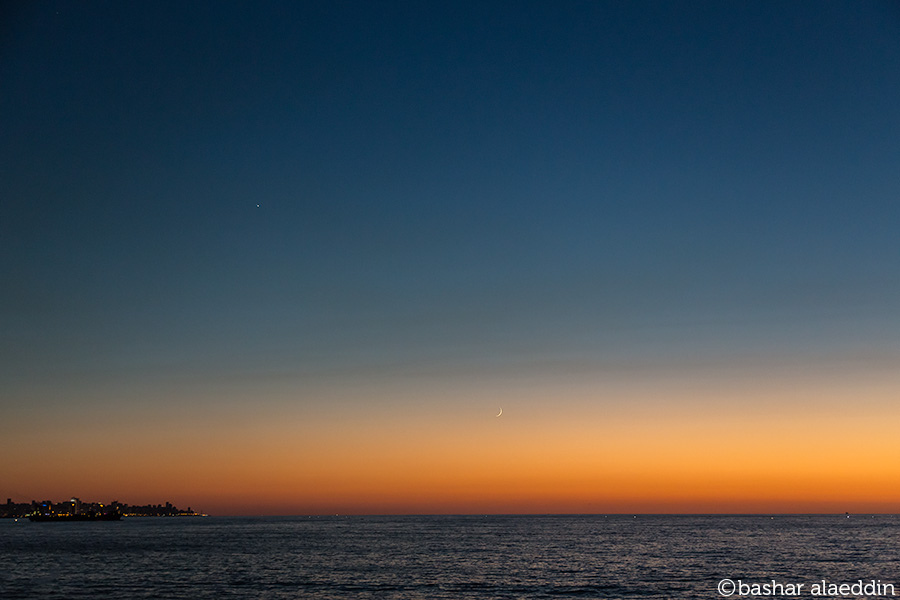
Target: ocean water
[430, 557]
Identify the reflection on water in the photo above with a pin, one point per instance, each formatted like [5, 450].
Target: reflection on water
[438, 556]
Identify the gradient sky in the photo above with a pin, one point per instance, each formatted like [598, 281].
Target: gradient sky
[292, 258]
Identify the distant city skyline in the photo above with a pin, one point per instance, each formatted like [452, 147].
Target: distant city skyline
[292, 258]
[77, 506]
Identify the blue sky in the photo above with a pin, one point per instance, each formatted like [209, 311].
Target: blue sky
[336, 189]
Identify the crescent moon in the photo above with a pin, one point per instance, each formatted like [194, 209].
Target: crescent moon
[499, 413]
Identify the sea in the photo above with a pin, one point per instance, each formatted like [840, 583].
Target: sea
[458, 557]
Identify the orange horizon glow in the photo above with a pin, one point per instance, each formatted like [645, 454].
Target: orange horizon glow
[673, 445]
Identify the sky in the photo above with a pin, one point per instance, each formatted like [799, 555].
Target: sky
[294, 257]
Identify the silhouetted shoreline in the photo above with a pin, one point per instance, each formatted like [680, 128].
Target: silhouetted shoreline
[75, 510]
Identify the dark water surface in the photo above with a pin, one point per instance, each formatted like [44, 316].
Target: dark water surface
[442, 556]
